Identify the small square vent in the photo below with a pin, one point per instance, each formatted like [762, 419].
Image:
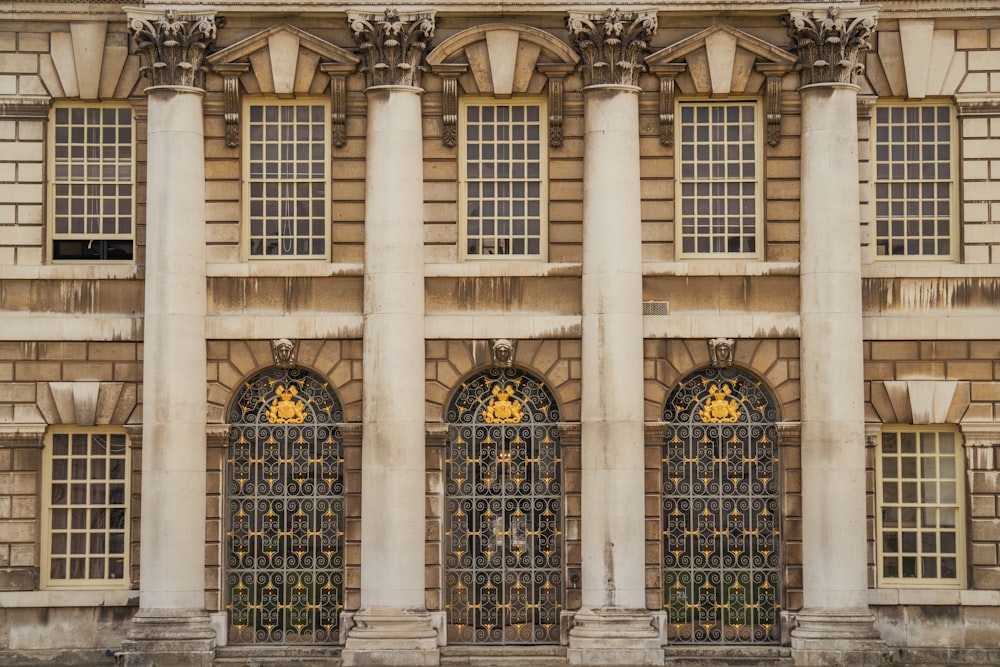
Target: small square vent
[655, 307]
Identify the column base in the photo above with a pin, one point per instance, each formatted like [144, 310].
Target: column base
[168, 638]
[845, 637]
[614, 636]
[391, 637]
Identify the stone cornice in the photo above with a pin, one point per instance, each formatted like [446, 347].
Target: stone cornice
[977, 104]
[612, 45]
[22, 435]
[172, 44]
[830, 43]
[24, 106]
[392, 45]
[981, 435]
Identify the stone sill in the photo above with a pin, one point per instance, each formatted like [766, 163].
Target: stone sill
[72, 272]
[475, 268]
[927, 269]
[891, 597]
[69, 598]
[284, 269]
[720, 267]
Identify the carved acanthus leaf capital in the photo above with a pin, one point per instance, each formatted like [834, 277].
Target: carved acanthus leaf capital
[831, 43]
[172, 44]
[612, 45]
[393, 45]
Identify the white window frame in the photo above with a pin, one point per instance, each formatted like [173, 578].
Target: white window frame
[251, 181]
[681, 180]
[88, 178]
[922, 487]
[87, 530]
[905, 201]
[464, 182]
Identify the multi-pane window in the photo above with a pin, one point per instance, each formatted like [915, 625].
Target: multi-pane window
[92, 183]
[919, 490]
[913, 175]
[718, 172]
[85, 515]
[503, 172]
[285, 189]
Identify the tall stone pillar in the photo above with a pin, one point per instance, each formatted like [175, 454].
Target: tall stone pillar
[613, 626]
[393, 626]
[835, 625]
[171, 627]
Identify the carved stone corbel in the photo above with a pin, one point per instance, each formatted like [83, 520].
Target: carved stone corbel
[338, 100]
[231, 73]
[284, 352]
[556, 72]
[773, 74]
[503, 352]
[722, 352]
[449, 100]
[668, 86]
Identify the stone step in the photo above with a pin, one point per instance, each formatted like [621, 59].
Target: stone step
[727, 656]
[277, 656]
[503, 656]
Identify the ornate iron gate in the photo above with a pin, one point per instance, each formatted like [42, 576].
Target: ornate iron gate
[285, 508]
[504, 512]
[721, 564]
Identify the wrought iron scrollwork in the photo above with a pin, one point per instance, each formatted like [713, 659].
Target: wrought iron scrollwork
[721, 564]
[504, 508]
[285, 511]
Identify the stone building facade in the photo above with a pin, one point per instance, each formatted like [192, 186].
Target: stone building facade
[424, 334]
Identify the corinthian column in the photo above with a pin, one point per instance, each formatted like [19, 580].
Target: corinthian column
[835, 620]
[393, 627]
[172, 627]
[613, 625]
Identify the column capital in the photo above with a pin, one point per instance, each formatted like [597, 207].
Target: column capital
[830, 42]
[393, 45]
[612, 45]
[172, 44]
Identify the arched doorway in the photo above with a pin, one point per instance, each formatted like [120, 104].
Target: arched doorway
[285, 511]
[721, 560]
[504, 510]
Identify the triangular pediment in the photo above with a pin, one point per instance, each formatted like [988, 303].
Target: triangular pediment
[721, 60]
[283, 60]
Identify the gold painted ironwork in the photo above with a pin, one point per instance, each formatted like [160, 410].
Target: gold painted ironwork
[503, 501]
[719, 409]
[501, 409]
[285, 511]
[285, 410]
[721, 527]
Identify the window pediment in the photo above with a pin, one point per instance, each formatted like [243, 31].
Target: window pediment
[721, 60]
[502, 60]
[283, 61]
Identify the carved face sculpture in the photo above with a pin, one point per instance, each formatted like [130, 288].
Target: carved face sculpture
[503, 352]
[284, 353]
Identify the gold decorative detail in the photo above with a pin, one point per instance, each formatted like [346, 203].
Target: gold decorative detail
[502, 410]
[285, 410]
[718, 409]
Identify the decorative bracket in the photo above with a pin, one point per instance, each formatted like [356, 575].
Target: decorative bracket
[668, 86]
[773, 74]
[449, 100]
[231, 73]
[338, 99]
[556, 72]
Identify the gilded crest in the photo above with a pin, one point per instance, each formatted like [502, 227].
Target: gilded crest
[719, 408]
[502, 410]
[285, 409]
